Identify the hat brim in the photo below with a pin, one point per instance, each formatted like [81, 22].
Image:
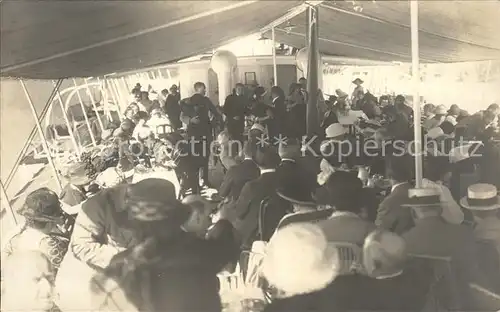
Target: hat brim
[420, 205]
[357, 80]
[79, 180]
[310, 203]
[464, 203]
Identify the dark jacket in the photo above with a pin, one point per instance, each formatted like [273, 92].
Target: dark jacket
[293, 176]
[198, 106]
[173, 110]
[277, 124]
[391, 215]
[174, 275]
[236, 177]
[248, 205]
[235, 108]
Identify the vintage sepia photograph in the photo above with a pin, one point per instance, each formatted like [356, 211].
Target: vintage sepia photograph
[250, 155]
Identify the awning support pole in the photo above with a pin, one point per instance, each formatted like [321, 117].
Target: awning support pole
[313, 73]
[42, 136]
[66, 118]
[84, 109]
[275, 68]
[94, 104]
[6, 202]
[416, 94]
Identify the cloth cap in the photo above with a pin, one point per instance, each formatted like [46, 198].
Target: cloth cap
[299, 260]
[454, 110]
[440, 110]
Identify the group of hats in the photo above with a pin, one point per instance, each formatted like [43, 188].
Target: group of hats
[480, 197]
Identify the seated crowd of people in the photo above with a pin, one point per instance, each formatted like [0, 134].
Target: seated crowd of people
[306, 225]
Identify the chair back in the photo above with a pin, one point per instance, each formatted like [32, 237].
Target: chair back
[489, 263]
[272, 209]
[350, 256]
[444, 290]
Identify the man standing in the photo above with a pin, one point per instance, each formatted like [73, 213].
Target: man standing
[358, 92]
[195, 115]
[172, 108]
[235, 108]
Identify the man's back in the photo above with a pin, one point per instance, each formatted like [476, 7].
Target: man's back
[248, 204]
[391, 215]
[434, 237]
[236, 178]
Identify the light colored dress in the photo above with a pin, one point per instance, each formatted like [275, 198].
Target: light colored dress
[53, 245]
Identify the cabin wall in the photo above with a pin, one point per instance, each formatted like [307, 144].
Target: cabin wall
[189, 74]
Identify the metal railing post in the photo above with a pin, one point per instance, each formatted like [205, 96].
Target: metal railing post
[66, 118]
[6, 202]
[89, 127]
[93, 104]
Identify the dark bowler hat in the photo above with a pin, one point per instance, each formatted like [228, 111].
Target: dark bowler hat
[153, 200]
[297, 195]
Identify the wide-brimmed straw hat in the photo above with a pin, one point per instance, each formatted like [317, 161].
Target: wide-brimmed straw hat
[481, 196]
[357, 80]
[299, 260]
[335, 130]
[423, 197]
[42, 205]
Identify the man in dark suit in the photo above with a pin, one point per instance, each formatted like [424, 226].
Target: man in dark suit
[433, 237]
[391, 215]
[195, 113]
[172, 107]
[235, 179]
[253, 193]
[345, 224]
[292, 174]
[235, 108]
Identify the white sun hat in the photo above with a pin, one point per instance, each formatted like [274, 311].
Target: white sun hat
[335, 130]
[481, 196]
[435, 133]
[299, 260]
